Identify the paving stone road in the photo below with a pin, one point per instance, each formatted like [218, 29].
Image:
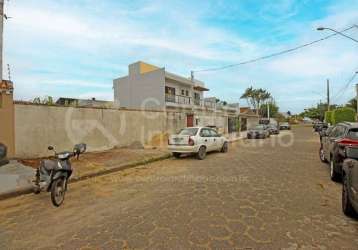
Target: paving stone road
[261, 195]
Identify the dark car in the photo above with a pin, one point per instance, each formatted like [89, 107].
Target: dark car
[320, 126]
[324, 132]
[260, 132]
[3, 151]
[273, 129]
[350, 182]
[333, 144]
[285, 126]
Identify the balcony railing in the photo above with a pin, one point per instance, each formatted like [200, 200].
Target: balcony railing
[186, 100]
[179, 99]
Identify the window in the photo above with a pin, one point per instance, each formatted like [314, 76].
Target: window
[182, 92]
[187, 92]
[169, 90]
[213, 133]
[340, 131]
[353, 134]
[189, 131]
[205, 133]
[196, 96]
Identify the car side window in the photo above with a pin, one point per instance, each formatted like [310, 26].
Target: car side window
[213, 133]
[333, 132]
[340, 131]
[205, 132]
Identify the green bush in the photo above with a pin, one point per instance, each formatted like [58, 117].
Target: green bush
[328, 117]
[343, 115]
[238, 125]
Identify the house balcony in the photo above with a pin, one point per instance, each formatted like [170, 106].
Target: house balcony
[186, 101]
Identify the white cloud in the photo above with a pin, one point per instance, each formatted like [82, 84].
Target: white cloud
[87, 44]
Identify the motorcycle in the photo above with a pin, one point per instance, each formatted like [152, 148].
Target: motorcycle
[53, 175]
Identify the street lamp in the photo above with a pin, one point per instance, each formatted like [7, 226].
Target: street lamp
[337, 32]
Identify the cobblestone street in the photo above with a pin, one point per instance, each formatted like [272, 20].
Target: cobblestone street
[261, 195]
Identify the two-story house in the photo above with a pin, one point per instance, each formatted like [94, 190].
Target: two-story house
[149, 87]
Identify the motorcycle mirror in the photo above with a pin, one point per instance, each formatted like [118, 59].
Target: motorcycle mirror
[50, 148]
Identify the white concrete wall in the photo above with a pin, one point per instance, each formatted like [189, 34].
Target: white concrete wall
[138, 91]
[37, 127]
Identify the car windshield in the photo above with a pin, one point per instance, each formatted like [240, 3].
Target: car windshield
[353, 133]
[284, 124]
[189, 131]
[260, 127]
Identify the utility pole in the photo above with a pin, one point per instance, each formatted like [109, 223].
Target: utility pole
[328, 102]
[357, 96]
[268, 110]
[2, 16]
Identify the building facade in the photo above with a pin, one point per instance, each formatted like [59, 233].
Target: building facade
[7, 117]
[149, 87]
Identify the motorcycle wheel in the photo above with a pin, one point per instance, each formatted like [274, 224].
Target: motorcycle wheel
[58, 192]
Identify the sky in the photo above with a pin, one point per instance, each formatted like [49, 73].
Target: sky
[76, 48]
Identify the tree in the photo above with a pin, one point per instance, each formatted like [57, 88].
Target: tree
[273, 109]
[47, 100]
[352, 103]
[255, 97]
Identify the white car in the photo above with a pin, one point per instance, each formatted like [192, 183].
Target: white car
[197, 140]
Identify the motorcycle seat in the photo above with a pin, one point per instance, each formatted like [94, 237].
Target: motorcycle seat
[48, 165]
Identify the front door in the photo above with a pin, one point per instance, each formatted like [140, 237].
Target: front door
[190, 121]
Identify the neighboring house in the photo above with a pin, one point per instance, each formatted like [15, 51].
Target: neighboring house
[149, 87]
[93, 103]
[7, 116]
[248, 118]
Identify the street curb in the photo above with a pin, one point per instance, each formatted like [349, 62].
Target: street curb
[28, 190]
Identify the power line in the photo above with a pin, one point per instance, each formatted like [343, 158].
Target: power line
[274, 54]
[343, 90]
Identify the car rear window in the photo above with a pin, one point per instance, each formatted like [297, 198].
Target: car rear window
[353, 133]
[260, 127]
[189, 131]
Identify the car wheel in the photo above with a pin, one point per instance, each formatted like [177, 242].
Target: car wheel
[177, 155]
[321, 155]
[225, 148]
[201, 153]
[347, 206]
[333, 172]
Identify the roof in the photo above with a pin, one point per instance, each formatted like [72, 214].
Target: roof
[351, 124]
[198, 85]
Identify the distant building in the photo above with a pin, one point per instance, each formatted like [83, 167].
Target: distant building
[248, 118]
[93, 103]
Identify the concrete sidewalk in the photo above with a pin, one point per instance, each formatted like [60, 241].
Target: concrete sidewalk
[16, 177]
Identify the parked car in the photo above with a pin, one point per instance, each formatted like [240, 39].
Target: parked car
[260, 132]
[197, 140]
[3, 152]
[324, 132]
[319, 126]
[333, 144]
[350, 182]
[273, 129]
[285, 126]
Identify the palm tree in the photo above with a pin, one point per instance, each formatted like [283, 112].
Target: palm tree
[255, 97]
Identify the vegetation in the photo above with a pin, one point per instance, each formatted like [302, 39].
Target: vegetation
[328, 117]
[343, 115]
[352, 103]
[47, 100]
[255, 97]
[273, 109]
